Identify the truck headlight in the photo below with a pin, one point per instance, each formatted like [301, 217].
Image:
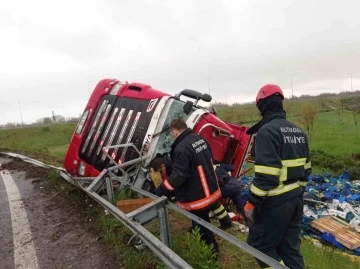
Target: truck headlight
[82, 168]
[82, 121]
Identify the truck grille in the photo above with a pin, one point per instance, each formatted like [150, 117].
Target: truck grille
[117, 120]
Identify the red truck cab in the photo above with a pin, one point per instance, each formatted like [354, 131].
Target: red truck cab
[122, 113]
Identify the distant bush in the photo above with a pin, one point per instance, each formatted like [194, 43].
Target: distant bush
[46, 129]
[337, 164]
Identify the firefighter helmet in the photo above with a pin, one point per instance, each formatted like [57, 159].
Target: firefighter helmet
[268, 90]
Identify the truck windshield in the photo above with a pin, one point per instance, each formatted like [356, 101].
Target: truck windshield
[175, 111]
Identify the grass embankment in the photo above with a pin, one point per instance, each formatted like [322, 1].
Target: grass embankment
[335, 144]
[50, 140]
[334, 137]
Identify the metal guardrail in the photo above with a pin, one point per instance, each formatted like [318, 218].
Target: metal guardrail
[157, 209]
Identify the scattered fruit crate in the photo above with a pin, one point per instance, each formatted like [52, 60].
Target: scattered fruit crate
[339, 229]
[129, 205]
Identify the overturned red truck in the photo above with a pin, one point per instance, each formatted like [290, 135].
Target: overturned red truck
[122, 113]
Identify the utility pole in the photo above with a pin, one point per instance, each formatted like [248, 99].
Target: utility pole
[22, 123]
[208, 80]
[292, 90]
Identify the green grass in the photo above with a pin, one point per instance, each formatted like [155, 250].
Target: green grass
[52, 140]
[333, 136]
[326, 257]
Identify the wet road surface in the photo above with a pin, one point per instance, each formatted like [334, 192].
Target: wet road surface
[39, 228]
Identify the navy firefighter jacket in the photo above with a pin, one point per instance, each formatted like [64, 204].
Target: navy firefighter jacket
[192, 177]
[282, 160]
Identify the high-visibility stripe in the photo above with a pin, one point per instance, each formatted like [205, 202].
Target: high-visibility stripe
[168, 185]
[218, 210]
[257, 191]
[284, 188]
[290, 163]
[282, 172]
[303, 183]
[274, 171]
[202, 203]
[277, 191]
[294, 162]
[223, 215]
[203, 181]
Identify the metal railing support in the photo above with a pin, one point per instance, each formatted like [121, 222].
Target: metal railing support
[156, 209]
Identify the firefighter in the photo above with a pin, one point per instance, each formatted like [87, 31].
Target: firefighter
[282, 166]
[161, 166]
[192, 178]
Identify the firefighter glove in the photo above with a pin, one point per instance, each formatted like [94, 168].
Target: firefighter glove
[162, 191]
[249, 211]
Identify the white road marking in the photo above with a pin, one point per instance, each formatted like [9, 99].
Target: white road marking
[24, 250]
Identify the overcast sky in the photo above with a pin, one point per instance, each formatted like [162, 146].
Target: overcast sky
[51, 50]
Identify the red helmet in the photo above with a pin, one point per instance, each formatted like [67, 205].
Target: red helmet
[268, 90]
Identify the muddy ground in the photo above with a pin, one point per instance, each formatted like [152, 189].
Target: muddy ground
[64, 231]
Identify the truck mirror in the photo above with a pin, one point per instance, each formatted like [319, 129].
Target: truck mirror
[206, 97]
[189, 93]
[187, 107]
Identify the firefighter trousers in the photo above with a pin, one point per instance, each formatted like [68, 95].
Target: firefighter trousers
[206, 235]
[276, 230]
[221, 214]
[235, 195]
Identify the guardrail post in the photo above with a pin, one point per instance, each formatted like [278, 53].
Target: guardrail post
[109, 189]
[164, 225]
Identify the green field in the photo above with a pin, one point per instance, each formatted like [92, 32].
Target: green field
[333, 136]
[330, 135]
[50, 140]
[335, 144]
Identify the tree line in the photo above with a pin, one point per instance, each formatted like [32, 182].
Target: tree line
[55, 119]
[304, 111]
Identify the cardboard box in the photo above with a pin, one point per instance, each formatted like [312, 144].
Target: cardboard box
[129, 205]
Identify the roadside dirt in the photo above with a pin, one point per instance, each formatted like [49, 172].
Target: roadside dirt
[64, 230]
